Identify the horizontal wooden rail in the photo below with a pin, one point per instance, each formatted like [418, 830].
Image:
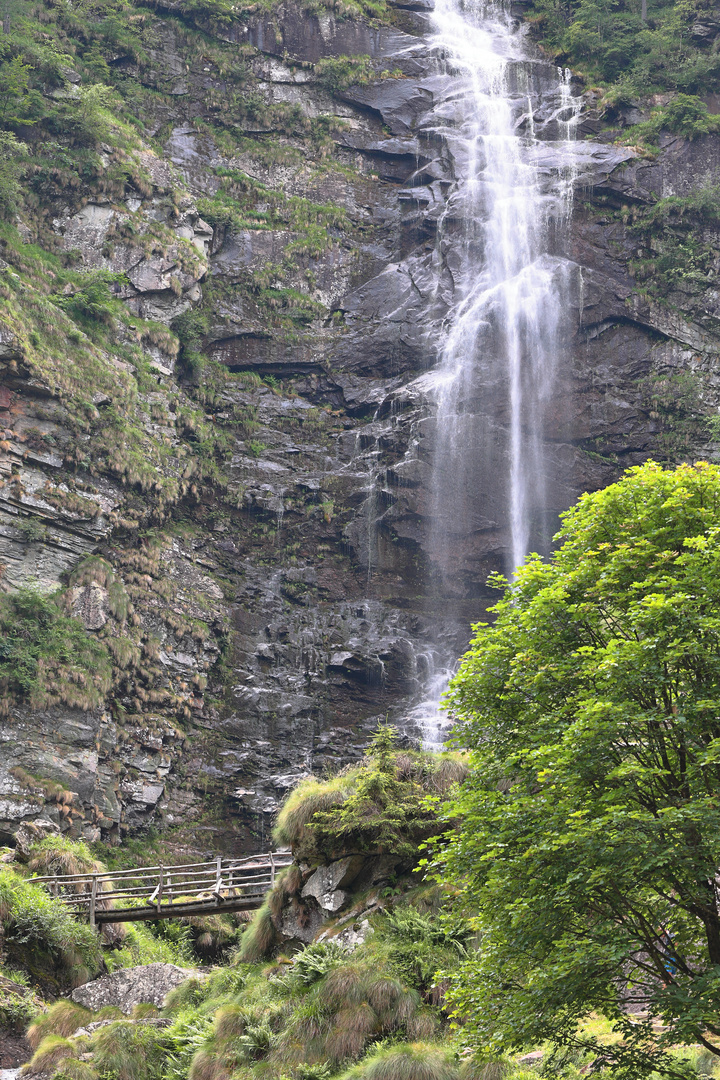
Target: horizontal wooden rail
[168, 892]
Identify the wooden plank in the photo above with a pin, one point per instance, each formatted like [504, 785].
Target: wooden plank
[175, 888]
[138, 872]
[93, 896]
[174, 911]
[178, 889]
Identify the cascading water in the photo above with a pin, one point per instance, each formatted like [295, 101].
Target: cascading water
[497, 258]
[504, 328]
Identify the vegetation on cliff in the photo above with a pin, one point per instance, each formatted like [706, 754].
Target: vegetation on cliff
[636, 49]
[47, 658]
[387, 803]
[661, 54]
[590, 833]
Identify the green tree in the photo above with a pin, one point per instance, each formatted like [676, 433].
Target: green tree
[591, 819]
[14, 91]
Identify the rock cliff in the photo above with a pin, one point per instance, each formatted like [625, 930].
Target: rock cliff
[221, 454]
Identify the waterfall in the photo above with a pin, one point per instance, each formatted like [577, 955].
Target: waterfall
[498, 258]
[503, 331]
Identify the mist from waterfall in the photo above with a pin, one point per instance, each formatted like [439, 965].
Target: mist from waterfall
[503, 334]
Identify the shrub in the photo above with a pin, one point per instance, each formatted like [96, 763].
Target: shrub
[684, 115]
[293, 827]
[689, 116]
[90, 305]
[42, 937]
[18, 1004]
[63, 1018]
[378, 806]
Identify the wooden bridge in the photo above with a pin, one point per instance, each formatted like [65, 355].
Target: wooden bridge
[167, 892]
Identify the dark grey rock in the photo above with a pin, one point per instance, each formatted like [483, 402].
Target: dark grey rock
[30, 833]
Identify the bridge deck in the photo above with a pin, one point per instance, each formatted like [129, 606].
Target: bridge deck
[168, 892]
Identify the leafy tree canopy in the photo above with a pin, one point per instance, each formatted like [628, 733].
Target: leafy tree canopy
[591, 833]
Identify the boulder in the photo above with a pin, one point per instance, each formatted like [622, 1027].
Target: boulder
[300, 922]
[326, 885]
[375, 871]
[132, 986]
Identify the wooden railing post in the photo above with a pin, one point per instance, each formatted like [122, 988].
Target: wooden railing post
[160, 889]
[272, 871]
[93, 898]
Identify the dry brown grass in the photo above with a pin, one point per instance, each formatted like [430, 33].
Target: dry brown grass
[48, 1055]
[305, 801]
[63, 1018]
[208, 1065]
[259, 938]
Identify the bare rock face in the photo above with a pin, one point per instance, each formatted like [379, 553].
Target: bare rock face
[132, 986]
[301, 922]
[90, 604]
[324, 894]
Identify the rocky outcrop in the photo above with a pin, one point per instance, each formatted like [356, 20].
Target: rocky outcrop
[338, 897]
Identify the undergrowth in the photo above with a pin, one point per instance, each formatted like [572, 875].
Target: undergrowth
[47, 658]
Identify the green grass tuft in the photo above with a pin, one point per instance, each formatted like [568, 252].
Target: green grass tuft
[411, 1061]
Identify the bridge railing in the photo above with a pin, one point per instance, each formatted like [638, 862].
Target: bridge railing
[157, 892]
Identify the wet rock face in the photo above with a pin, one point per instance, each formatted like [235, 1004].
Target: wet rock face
[279, 617]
